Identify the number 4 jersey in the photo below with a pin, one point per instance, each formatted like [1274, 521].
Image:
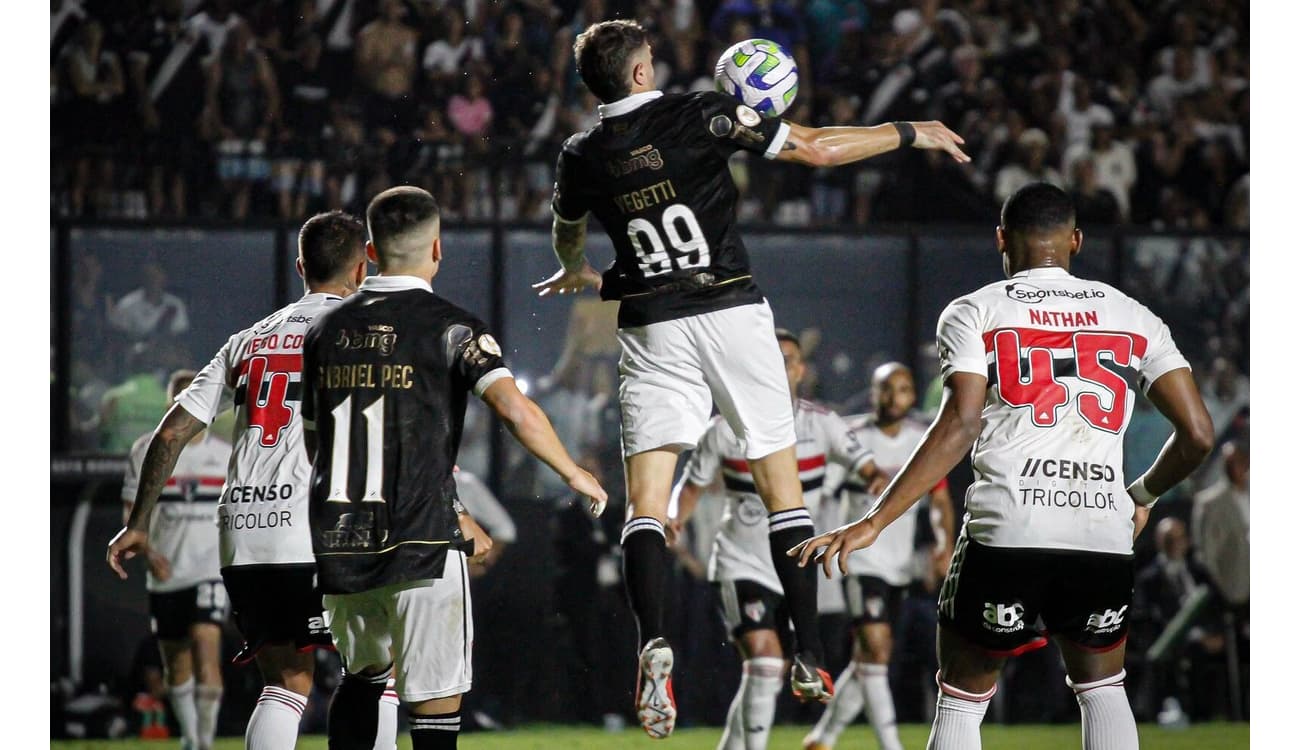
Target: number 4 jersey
[262, 514]
[1064, 357]
[654, 172]
[386, 378]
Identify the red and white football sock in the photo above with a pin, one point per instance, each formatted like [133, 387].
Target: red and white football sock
[957, 718]
[275, 719]
[386, 737]
[1107, 717]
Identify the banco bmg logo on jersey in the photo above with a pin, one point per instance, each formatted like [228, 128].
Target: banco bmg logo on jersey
[1106, 622]
[1004, 618]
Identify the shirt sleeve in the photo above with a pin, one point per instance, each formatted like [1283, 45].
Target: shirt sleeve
[961, 342]
[707, 458]
[842, 444]
[568, 202]
[134, 462]
[211, 393]
[734, 126]
[475, 355]
[485, 508]
[1162, 355]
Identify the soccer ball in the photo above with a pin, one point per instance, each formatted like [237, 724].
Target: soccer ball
[760, 73]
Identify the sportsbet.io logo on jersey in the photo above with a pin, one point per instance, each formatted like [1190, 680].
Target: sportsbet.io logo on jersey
[1031, 295]
[1004, 618]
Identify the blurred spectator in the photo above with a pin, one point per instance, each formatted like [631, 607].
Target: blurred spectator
[1226, 392]
[1221, 526]
[89, 114]
[243, 107]
[385, 66]
[215, 23]
[1080, 114]
[449, 57]
[1029, 166]
[134, 406]
[1177, 82]
[299, 170]
[166, 75]
[150, 310]
[1093, 205]
[66, 17]
[1114, 167]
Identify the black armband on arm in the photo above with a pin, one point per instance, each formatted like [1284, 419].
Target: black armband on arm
[906, 133]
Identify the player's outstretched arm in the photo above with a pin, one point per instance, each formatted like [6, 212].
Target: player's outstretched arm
[954, 431]
[1176, 396]
[569, 238]
[528, 423]
[836, 146]
[176, 430]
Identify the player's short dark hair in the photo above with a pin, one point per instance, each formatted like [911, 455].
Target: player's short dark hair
[785, 334]
[1037, 207]
[602, 52]
[330, 242]
[397, 211]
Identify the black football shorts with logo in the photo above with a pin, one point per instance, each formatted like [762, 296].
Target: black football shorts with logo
[171, 613]
[994, 596]
[749, 605]
[872, 600]
[276, 604]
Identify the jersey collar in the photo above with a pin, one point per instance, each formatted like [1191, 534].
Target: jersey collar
[1042, 273]
[627, 104]
[394, 284]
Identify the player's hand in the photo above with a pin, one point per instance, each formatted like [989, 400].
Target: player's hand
[838, 543]
[878, 483]
[159, 565]
[673, 532]
[125, 545]
[569, 282]
[1140, 516]
[940, 560]
[935, 135]
[471, 531]
[583, 483]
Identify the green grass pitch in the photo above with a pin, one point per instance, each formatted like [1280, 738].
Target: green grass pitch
[1219, 736]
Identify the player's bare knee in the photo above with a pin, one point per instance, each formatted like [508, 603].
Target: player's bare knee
[1085, 666]
[761, 644]
[967, 667]
[448, 705]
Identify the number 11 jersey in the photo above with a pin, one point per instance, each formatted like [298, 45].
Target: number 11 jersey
[1064, 357]
[654, 172]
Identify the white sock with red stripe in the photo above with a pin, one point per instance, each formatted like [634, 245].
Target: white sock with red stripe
[754, 704]
[880, 704]
[843, 709]
[181, 699]
[208, 701]
[386, 737]
[274, 723]
[957, 718]
[1107, 717]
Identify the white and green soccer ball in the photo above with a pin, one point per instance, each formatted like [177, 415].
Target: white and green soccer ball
[760, 73]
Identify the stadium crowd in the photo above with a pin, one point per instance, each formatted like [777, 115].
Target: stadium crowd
[277, 108]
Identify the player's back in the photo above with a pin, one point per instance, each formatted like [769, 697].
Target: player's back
[389, 374]
[263, 510]
[654, 172]
[1064, 357]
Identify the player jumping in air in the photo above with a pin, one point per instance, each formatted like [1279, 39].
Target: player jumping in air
[1040, 376]
[693, 325]
[878, 577]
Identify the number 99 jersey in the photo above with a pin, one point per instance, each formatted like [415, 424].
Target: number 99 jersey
[1063, 357]
[654, 172]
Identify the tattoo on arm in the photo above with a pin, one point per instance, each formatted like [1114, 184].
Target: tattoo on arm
[177, 429]
[569, 239]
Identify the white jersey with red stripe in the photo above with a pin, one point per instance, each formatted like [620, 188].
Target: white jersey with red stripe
[184, 525]
[891, 556]
[263, 509]
[1063, 357]
[741, 549]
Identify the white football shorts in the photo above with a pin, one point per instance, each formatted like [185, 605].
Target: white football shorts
[671, 373]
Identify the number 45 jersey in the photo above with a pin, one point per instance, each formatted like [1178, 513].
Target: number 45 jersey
[1064, 359]
[262, 513]
[654, 172]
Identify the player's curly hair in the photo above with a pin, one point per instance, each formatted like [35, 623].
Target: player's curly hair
[602, 52]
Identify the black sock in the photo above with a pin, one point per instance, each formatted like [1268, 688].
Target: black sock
[353, 719]
[435, 731]
[645, 570]
[787, 528]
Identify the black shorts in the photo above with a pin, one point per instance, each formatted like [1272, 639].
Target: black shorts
[872, 600]
[276, 604]
[749, 605]
[172, 613]
[994, 596]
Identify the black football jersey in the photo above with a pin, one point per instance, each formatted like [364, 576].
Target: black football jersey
[654, 172]
[386, 375]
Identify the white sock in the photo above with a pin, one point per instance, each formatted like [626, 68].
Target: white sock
[386, 737]
[1107, 718]
[181, 698]
[759, 686]
[733, 734]
[880, 704]
[957, 719]
[208, 700]
[842, 711]
[275, 719]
